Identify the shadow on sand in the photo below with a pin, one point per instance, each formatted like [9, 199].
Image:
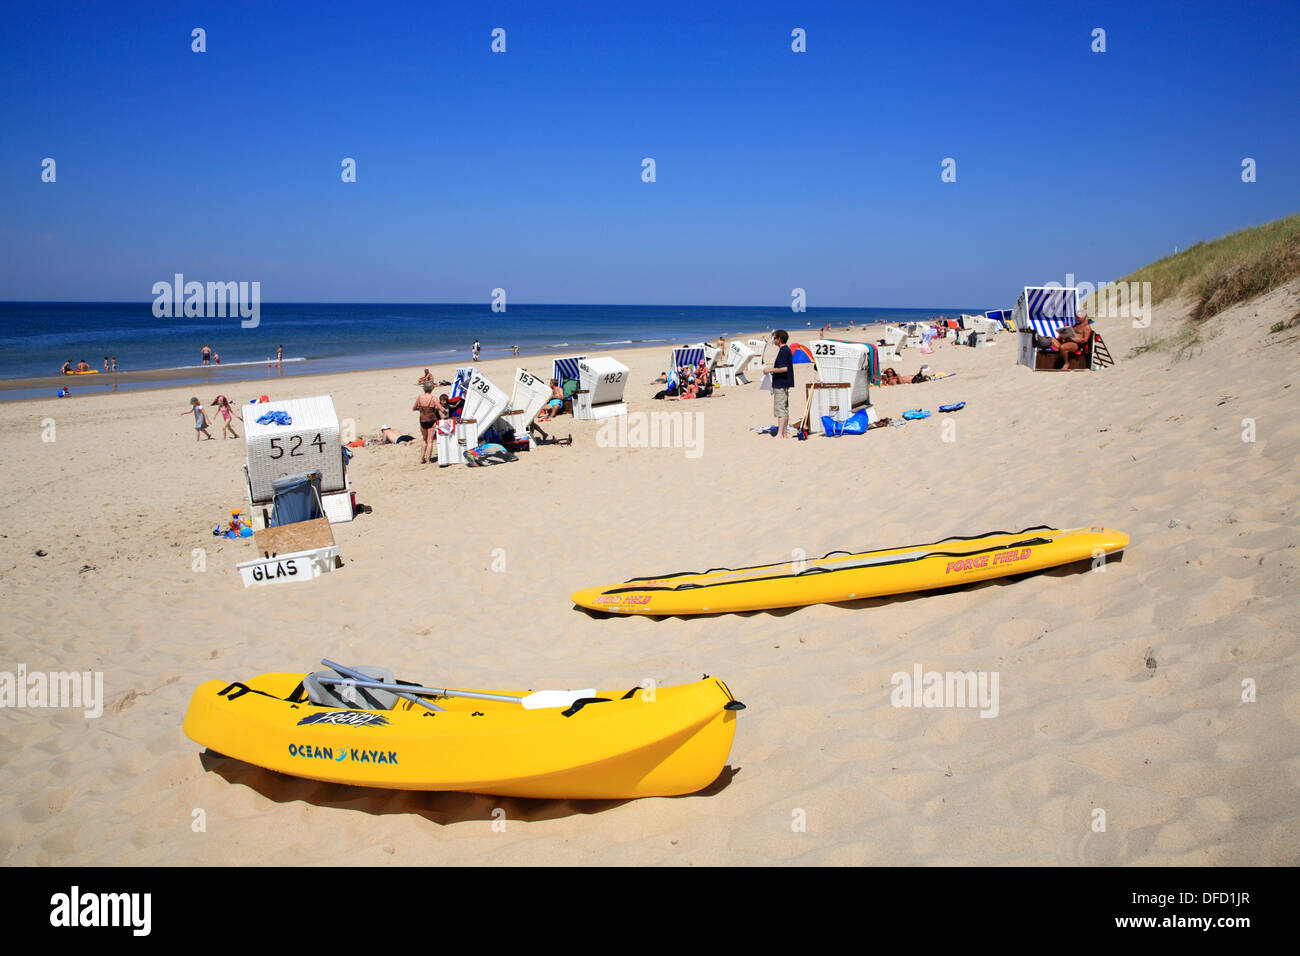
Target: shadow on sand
[440, 807]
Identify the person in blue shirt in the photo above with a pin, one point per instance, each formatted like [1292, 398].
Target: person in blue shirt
[782, 372]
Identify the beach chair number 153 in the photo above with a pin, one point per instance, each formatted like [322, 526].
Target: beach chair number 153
[277, 450]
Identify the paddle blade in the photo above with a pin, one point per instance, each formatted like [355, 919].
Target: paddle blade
[555, 698]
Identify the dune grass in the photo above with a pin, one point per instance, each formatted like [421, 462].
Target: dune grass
[1232, 269]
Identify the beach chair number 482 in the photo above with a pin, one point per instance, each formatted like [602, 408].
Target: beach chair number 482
[277, 450]
[613, 378]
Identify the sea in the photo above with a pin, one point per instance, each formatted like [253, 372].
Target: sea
[36, 338]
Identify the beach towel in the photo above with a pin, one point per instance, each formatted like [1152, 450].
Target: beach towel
[915, 413]
[873, 364]
[275, 418]
[952, 408]
[488, 453]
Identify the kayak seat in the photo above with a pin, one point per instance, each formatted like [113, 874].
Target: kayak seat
[351, 698]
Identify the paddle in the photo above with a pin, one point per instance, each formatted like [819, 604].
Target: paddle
[536, 701]
[358, 679]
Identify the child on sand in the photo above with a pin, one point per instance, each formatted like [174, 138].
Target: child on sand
[200, 419]
[224, 409]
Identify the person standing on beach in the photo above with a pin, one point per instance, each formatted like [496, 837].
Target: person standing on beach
[515, 348]
[782, 372]
[474, 348]
[427, 408]
[113, 359]
[200, 419]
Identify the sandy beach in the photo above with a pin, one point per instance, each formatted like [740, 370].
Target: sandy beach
[1121, 690]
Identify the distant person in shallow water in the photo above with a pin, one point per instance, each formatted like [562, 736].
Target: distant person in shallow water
[205, 353]
[475, 349]
[114, 361]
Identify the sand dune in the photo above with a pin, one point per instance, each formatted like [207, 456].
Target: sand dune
[1120, 690]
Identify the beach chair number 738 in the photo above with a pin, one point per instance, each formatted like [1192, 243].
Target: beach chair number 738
[277, 450]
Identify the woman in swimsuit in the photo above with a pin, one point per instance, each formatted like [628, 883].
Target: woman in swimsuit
[427, 407]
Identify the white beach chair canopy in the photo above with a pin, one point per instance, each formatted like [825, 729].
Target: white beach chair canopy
[1045, 309]
[484, 402]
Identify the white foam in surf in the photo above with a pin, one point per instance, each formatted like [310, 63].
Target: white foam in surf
[180, 368]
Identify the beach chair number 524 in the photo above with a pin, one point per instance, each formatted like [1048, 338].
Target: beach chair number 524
[277, 450]
[824, 348]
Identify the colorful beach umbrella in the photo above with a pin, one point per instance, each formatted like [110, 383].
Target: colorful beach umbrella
[801, 354]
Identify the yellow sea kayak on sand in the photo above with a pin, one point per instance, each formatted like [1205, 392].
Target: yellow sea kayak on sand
[849, 577]
[636, 743]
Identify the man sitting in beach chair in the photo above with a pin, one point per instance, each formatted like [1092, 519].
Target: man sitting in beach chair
[1073, 342]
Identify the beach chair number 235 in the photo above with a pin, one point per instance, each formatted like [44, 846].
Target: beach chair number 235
[823, 348]
[277, 450]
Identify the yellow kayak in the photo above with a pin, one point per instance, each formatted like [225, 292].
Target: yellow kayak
[668, 741]
[849, 577]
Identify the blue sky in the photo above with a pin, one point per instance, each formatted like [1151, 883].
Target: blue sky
[522, 170]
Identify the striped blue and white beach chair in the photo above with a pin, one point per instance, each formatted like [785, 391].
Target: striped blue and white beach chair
[463, 375]
[1042, 311]
[563, 368]
[688, 355]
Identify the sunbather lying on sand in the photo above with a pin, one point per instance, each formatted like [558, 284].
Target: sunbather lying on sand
[890, 377]
[389, 436]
